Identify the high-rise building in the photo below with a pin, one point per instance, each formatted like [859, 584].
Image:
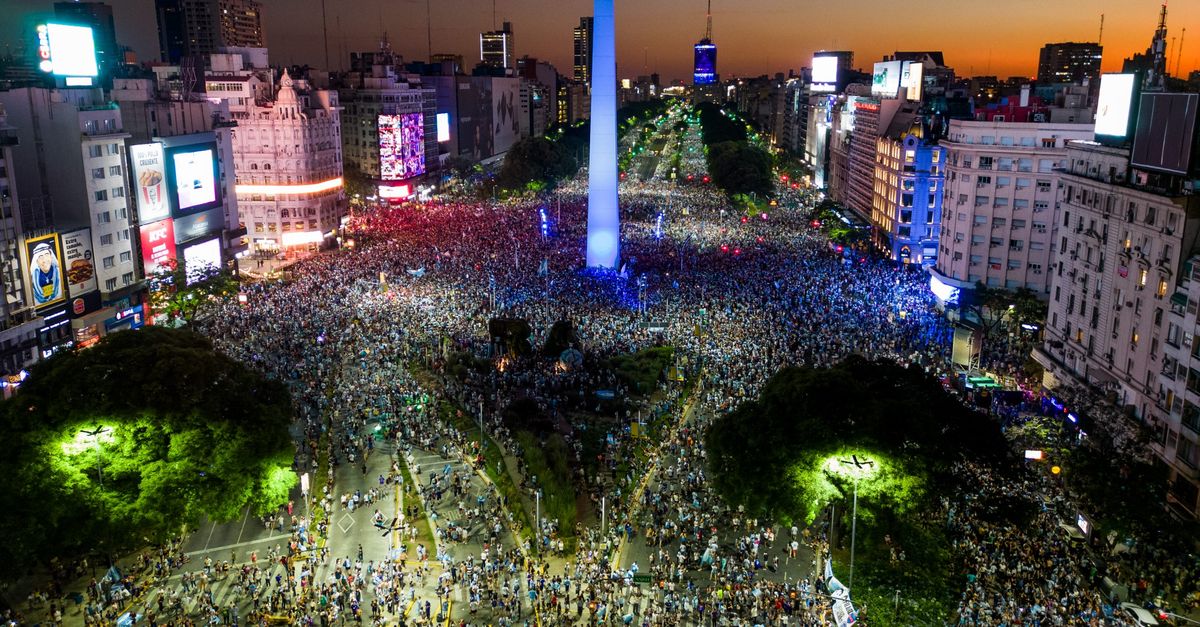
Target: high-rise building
[202, 27]
[582, 37]
[98, 16]
[998, 212]
[906, 199]
[380, 91]
[496, 48]
[18, 323]
[704, 69]
[1069, 62]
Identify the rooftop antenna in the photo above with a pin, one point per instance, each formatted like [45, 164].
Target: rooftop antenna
[325, 33]
[493, 14]
[1100, 40]
[708, 29]
[429, 30]
[1179, 52]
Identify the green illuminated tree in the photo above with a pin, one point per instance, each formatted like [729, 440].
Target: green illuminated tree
[135, 438]
[182, 300]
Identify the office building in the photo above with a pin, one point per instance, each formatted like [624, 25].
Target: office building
[1069, 62]
[906, 200]
[19, 324]
[582, 38]
[202, 27]
[496, 49]
[380, 91]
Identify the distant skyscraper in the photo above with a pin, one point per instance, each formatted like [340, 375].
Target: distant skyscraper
[201, 27]
[706, 56]
[496, 48]
[99, 17]
[1069, 62]
[604, 218]
[583, 50]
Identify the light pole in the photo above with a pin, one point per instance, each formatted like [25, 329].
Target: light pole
[858, 467]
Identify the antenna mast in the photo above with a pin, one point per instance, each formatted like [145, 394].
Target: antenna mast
[1100, 40]
[708, 29]
[1179, 51]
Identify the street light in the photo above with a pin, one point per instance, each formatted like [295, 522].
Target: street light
[855, 468]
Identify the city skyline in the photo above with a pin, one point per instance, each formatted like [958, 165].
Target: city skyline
[757, 37]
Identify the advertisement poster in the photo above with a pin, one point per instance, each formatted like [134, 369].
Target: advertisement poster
[1115, 104]
[45, 270]
[197, 225]
[149, 175]
[885, 81]
[201, 260]
[194, 173]
[475, 118]
[506, 102]
[158, 246]
[81, 267]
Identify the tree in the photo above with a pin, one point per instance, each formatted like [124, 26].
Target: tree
[535, 160]
[184, 295]
[741, 168]
[134, 439]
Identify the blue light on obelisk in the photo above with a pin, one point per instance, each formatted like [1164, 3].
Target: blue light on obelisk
[604, 221]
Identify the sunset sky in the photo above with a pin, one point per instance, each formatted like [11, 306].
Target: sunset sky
[754, 36]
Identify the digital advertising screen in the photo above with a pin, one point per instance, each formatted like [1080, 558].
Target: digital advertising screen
[1114, 107]
[475, 117]
[401, 146]
[201, 259]
[193, 178]
[706, 65]
[158, 246]
[44, 254]
[912, 79]
[506, 102]
[824, 69]
[443, 127]
[67, 50]
[885, 81]
[1164, 140]
[81, 267]
[149, 181]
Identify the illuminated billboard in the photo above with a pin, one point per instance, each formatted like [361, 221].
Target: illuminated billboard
[81, 267]
[44, 255]
[193, 178]
[475, 117]
[506, 102]
[912, 79]
[401, 146]
[1114, 107]
[885, 81]
[202, 260]
[706, 64]
[443, 127]
[149, 177]
[67, 50]
[395, 192]
[158, 246]
[824, 69]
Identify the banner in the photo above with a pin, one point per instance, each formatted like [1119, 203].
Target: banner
[45, 270]
[81, 267]
[149, 179]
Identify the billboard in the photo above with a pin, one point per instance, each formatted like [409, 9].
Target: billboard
[506, 103]
[885, 81]
[200, 260]
[443, 127]
[67, 50]
[1164, 140]
[158, 246]
[192, 178]
[45, 270]
[824, 69]
[401, 146]
[149, 178]
[912, 79]
[197, 225]
[1114, 107]
[706, 64]
[475, 117]
[81, 267]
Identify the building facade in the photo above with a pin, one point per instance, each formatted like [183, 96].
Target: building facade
[998, 207]
[1069, 62]
[288, 156]
[203, 27]
[496, 49]
[906, 201]
[380, 91]
[582, 39]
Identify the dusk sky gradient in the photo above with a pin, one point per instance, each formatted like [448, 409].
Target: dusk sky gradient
[753, 36]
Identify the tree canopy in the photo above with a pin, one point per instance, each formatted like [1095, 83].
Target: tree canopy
[134, 438]
[536, 161]
[741, 168]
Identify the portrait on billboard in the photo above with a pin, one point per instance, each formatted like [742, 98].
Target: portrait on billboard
[401, 146]
[505, 102]
[475, 118]
[45, 269]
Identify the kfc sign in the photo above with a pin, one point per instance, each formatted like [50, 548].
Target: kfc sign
[158, 246]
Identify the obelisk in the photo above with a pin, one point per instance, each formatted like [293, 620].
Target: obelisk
[604, 221]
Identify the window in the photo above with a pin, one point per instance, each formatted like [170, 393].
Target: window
[97, 173]
[114, 170]
[95, 151]
[103, 217]
[101, 195]
[985, 163]
[109, 261]
[122, 213]
[118, 192]
[127, 278]
[1186, 452]
[126, 256]
[123, 235]
[106, 239]
[110, 285]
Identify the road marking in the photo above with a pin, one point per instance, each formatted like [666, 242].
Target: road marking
[234, 546]
[243, 529]
[343, 524]
[210, 534]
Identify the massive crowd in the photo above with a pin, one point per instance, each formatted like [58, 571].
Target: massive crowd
[738, 296]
